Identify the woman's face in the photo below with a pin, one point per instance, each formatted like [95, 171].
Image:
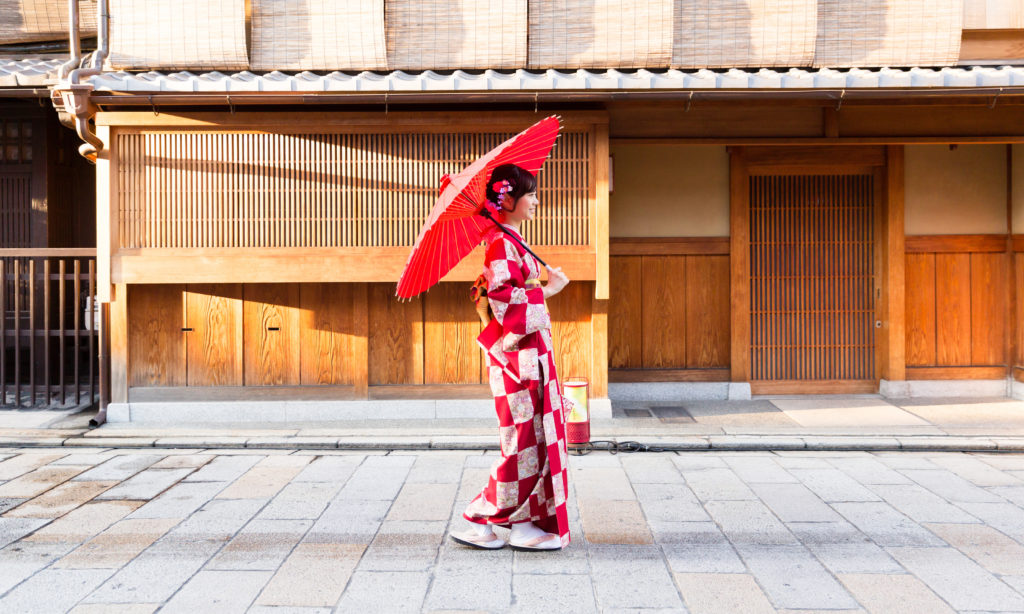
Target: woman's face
[525, 208]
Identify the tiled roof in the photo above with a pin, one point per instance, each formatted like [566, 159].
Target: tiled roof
[489, 80]
[35, 71]
[31, 72]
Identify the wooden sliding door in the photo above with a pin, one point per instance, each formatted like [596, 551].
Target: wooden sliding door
[812, 259]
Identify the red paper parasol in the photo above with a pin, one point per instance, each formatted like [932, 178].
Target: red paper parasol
[457, 223]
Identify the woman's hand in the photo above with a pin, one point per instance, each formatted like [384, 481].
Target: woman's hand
[556, 282]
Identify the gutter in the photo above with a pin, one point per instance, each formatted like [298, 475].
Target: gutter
[991, 95]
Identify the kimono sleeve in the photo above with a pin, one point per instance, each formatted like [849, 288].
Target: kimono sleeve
[519, 310]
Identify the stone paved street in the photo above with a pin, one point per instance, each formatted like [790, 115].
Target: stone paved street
[93, 530]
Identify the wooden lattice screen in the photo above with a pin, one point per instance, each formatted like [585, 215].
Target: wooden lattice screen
[811, 277]
[15, 183]
[250, 190]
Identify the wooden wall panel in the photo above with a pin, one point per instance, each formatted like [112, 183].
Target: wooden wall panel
[953, 309]
[156, 343]
[663, 319]
[669, 311]
[624, 313]
[271, 332]
[327, 334]
[395, 337]
[707, 311]
[570, 328]
[989, 296]
[214, 345]
[1019, 275]
[450, 329]
[957, 305]
[920, 293]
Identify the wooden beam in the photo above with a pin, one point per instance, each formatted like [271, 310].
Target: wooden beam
[839, 157]
[940, 373]
[669, 246]
[668, 375]
[951, 139]
[920, 244]
[739, 248]
[989, 45]
[302, 265]
[348, 122]
[892, 344]
[814, 387]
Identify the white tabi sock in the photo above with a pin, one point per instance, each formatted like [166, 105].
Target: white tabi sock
[525, 531]
[483, 530]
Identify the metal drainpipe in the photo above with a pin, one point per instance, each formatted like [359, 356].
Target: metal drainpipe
[74, 44]
[93, 144]
[103, 41]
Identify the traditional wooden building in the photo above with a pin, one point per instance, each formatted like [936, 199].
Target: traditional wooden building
[784, 197]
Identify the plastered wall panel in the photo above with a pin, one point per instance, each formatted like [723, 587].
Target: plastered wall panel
[955, 191]
[669, 191]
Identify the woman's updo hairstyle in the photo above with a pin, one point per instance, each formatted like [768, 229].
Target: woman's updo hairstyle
[521, 181]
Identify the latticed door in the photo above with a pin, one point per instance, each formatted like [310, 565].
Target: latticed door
[812, 255]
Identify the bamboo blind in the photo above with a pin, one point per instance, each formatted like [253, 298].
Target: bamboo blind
[450, 34]
[26, 21]
[318, 35]
[185, 34]
[250, 190]
[888, 33]
[811, 277]
[717, 34]
[993, 14]
[600, 33]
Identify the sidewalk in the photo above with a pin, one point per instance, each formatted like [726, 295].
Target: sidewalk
[101, 530]
[866, 422]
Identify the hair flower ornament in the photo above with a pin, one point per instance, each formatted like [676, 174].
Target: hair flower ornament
[501, 188]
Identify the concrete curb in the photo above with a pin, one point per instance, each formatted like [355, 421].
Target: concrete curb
[735, 443]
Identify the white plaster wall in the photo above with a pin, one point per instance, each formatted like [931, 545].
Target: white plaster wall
[669, 191]
[955, 191]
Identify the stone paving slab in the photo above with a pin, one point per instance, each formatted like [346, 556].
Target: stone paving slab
[332, 530]
[60, 500]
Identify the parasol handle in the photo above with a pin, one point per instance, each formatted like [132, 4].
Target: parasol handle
[487, 214]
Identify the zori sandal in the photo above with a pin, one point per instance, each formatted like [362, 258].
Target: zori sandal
[474, 540]
[544, 543]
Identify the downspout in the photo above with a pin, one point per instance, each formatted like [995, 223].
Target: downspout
[74, 93]
[74, 42]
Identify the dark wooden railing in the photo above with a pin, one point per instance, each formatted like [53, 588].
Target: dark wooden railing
[49, 328]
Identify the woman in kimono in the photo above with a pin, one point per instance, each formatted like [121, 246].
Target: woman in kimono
[528, 486]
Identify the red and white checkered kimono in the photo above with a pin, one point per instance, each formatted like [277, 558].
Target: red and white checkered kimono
[529, 482]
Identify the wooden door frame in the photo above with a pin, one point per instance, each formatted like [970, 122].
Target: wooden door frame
[886, 164]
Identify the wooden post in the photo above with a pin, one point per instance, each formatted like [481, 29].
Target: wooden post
[739, 259]
[106, 215]
[600, 214]
[360, 338]
[892, 338]
[1012, 331]
[118, 332]
[599, 348]
[599, 303]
